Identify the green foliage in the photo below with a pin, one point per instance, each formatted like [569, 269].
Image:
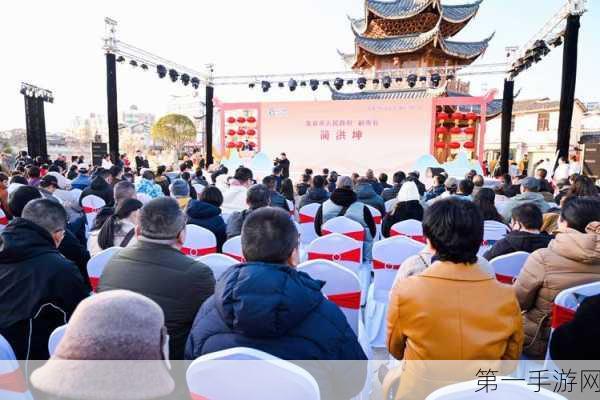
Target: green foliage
[174, 130]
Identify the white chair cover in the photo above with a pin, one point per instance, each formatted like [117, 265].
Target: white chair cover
[55, 338]
[233, 248]
[218, 263]
[3, 220]
[508, 266]
[91, 205]
[198, 242]
[12, 382]
[410, 228]
[492, 232]
[344, 226]
[97, 263]
[243, 373]
[307, 222]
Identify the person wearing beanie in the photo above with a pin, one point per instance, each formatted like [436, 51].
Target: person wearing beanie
[112, 348]
[180, 191]
[118, 229]
[40, 287]
[155, 267]
[407, 207]
[100, 187]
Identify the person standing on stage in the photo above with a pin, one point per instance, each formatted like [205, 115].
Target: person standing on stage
[284, 163]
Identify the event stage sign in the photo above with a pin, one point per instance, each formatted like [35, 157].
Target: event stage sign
[346, 136]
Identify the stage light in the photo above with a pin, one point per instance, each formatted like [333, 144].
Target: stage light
[251, 85]
[338, 83]
[195, 82]
[120, 59]
[161, 70]
[412, 80]
[51, 99]
[23, 90]
[435, 79]
[375, 81]
[133, 63]
[362, 82]
[266, 85]
[281, 84]
[144, 67]
[422, 79]
[185, 79]
[349, 82]
[174, 75]
[314, 84]
[303, 83]
[557, 41]
[292, 84]
[387, 82]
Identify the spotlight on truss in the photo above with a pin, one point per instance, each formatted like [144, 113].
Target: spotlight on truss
[174, 75]
[161, 70]
[185, 79]
[195, 82]
[292, 84]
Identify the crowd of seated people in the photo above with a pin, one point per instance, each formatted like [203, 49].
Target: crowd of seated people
[265, 302]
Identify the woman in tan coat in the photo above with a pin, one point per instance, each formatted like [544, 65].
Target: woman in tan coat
[454, 310]
[572, 259]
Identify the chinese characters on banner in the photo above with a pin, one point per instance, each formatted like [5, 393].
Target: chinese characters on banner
[341, 130]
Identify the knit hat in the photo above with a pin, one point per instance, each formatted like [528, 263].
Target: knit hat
[530, 183]
[112, 348]
[408, 192]
[18, 199]
[179, 188]
[344, 182]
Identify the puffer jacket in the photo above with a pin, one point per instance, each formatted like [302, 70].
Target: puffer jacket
[281, 311]
[208, 216]
[366, 194]
[150, 188]
[313, 195]
[99, 187]
[572, 259]
[524, 198]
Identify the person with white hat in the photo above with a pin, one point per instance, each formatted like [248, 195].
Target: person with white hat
[114, 347]
[407, 207]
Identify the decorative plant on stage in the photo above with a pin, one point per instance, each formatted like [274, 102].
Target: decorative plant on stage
[173, 131]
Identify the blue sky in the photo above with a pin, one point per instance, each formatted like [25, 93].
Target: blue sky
[57, 45]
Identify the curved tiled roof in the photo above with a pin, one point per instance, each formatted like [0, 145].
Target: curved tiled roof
[465, 49]
[400, 9]
[388, 94]
[460, 13]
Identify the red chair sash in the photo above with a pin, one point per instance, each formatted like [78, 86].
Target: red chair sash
[416, 238]
[198, 252]
[13, 382]
[197, 396]
[359, 235]
[3, 220]
[346, 300]
[350, 255]
[236, 257]
[381, 265]
[305, 219]
[94, 282]
[561, 315]
[377, 219]
[90, 210]
[509, 280]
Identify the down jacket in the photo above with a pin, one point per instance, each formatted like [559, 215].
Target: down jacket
[572, 259]
[281, 311]
[208, 216]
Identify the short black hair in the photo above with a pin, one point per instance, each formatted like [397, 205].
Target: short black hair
[33, 171]
[115, 170]
[277, 170]
[269, 181]
[243, 174]
[529, 215]
[578, 212]
[183, 166]
[212, 195]
[18, 199]
[269, 235]
[466, 187]
[399, 177]
[3, 177]
[318, 181]
[440, 179]
[325, 171]
[18, 179]
[305, 178]
[455, 229]
[160, 170]
[308, 171]
[258, 196]
[542, 171]
[162, 219]
[383, 178]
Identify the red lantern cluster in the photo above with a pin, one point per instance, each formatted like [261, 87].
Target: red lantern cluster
[440, 144]
[231, 120]
[442, 116]
[454, 145]
[470, 130]
[469, 145]
[455, 130]
[243, 127]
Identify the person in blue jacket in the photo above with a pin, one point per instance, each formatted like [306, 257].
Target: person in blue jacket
[268, 305]
[206, 212]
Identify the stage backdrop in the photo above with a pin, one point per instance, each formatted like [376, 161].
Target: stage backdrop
[346, 136]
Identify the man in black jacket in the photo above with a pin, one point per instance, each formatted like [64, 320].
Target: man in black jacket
[257, 196]
[316, 193]
[527, 221]
[284, 163]
[391, 193]
[155, 267]
[39, 288]
[101, 188]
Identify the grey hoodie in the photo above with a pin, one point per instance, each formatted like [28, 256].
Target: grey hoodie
[523, 198]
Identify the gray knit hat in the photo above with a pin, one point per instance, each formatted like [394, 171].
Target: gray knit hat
[179, 188]
[112, 349]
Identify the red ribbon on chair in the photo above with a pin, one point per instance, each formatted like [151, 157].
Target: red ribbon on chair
[236, 257]
[416, 238]
[346, 300]
[94, 282]
[350, 255]
[198, 252]
[13, 382]
[197, 396]
[560, 315]
[90, 210]
[381, 265]
[305, 219]
[377, 219]
[509, 280]
[3, 220]
[359, 235]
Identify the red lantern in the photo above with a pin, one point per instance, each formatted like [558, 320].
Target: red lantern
[251, 132]
[231, 132]
[458, 116]
[231, 120]
[231, 145]
[241, 132]
[241, 120]
[440, 145]
[471, 116]
[455, 130]
[454, 145]
[251, 120]
[469, 145]
[240, 145]
[470, 130]
[441, 130]
[442, 116]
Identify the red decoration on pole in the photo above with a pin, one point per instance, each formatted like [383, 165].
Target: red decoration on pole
[241, 120]
[441, 130]
[251, 132]
[442, 116]
[241, 132]
[458, 116]
[454, 145]
[231, 132]
[231, 120]
[470, 130]
[469, 145]
[471, 116]
[455, 130]
[251, 120]
[240, 145]
[231, 145]
[440, 145]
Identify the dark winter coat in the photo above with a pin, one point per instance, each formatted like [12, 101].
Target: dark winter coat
[208, 216]
[377, 186]
[281, 311]
[235, 222]
[73, 250]
[402, 212]
[518, 241]
[314, 195]
[434, 192]
[366, 194]
[163, 181]
[302, 188]
[277, 200]
[173, 280]
[99, 187]
[35, 281]
[345, 198]
[391, 193]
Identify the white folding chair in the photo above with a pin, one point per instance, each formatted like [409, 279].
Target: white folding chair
[388, 256]
[492, 232]
[97, 263]
[143, 197]
[199, 189]
[291, 207]
[410, 228]
[378, 219]
[76, 193]
[233, 248]
[12, 382]
[198, 242]
[344, 226]
[564, 308]
[226, 217]
[508, 266]
[390, 204]
[503, 390]
[306, 217]
[258, 375]
[3, 220]
[55, 338]
[218, 263]
[91, 206]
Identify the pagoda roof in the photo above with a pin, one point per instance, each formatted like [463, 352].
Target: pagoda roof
[413, 42]
[401, 9]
